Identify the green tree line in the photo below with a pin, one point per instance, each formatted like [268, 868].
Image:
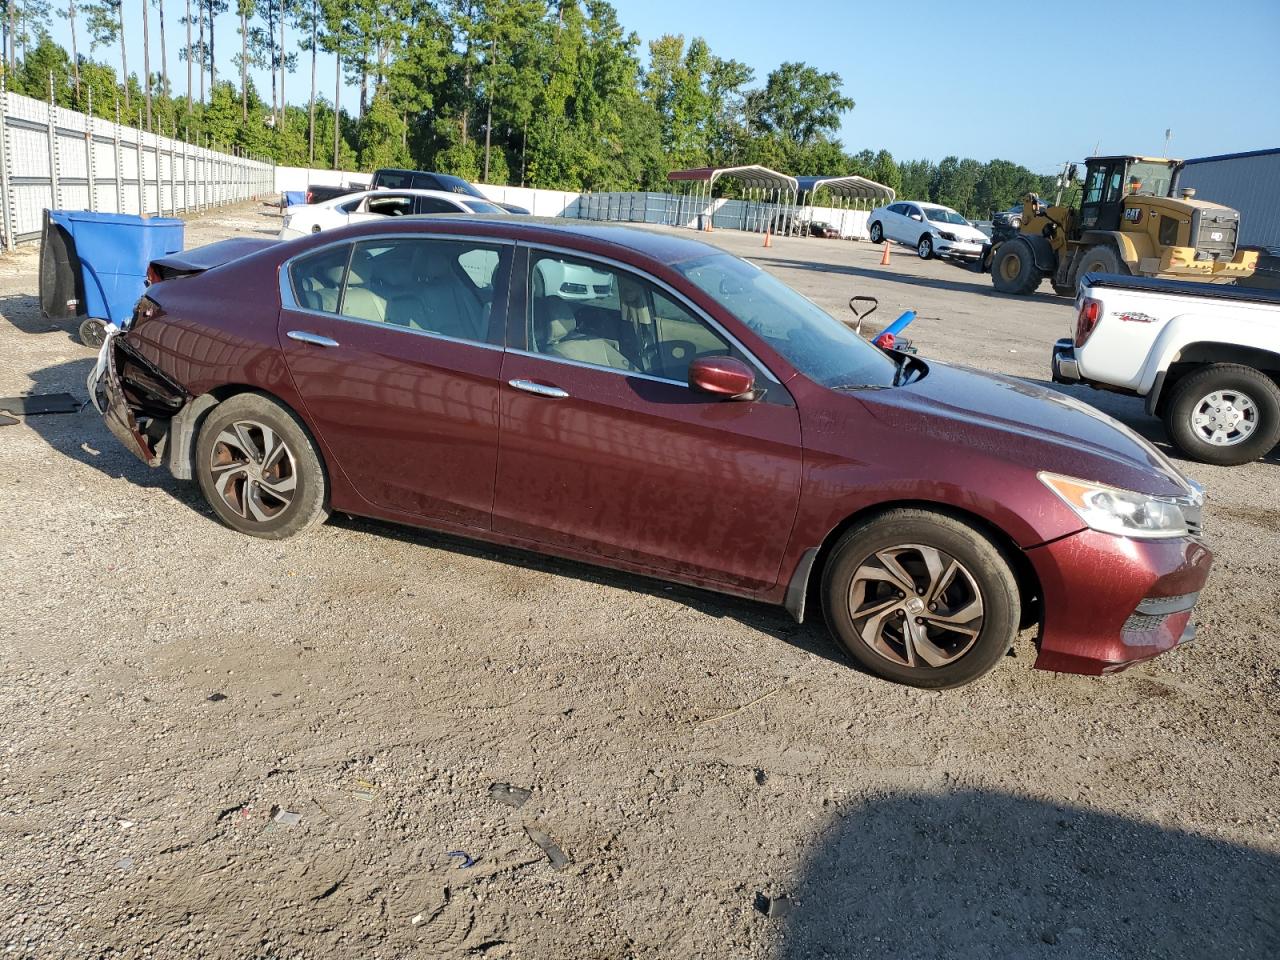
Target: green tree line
[549, 93]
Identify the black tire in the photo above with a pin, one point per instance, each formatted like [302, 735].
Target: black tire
[850, 579]
[275, 490]
[876, 232]
[1014, 270]
[1100, 258]
[1194, 395]
[92, 332]
[924, 249]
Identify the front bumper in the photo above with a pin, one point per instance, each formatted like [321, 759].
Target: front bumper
[1110, 602]
[1064, 365]
[962, 249]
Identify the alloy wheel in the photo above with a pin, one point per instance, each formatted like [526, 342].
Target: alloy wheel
[254, 471]
[925, 250]
[916, 606]
[1224, 417]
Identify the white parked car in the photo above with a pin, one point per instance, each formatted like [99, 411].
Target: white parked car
[935, 231]
[301, 219]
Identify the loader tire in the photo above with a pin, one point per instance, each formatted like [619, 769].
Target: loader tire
[1014, 270]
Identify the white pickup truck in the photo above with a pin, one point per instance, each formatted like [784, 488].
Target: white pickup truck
[1207, 359]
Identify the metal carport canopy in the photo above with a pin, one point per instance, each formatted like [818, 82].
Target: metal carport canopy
[751, 175]
[851, 186]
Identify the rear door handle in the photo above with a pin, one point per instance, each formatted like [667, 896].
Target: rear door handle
[306, 336]
[538, 389]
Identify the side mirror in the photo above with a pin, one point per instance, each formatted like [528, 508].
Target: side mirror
[916, 216]
[1071, 173]
[722, 376]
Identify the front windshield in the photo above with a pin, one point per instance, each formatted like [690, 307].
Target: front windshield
[1150, 179]
[482, 206]
[938, 215]
[815, 343]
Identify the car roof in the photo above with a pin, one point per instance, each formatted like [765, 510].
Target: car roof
[413, 192]
[653, 244]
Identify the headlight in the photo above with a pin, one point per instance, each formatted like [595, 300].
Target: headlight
[946, 236]
[1122, 512]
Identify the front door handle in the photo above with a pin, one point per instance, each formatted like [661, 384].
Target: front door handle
[538, 389]
[306, 336]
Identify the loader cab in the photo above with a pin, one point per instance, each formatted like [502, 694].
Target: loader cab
[1108, 181]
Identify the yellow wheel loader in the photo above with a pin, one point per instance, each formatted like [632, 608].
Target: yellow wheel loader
[1128, 222]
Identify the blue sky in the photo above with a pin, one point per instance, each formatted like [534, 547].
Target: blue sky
[932, 78]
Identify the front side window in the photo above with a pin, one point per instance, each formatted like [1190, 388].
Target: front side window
[444, 287]
[593, 313]
[815, 343]
[435, 205]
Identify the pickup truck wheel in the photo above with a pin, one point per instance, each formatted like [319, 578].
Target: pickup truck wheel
[259, 468]
[1013, 269]
[877, 233]
[1226, 414]
[920, 598]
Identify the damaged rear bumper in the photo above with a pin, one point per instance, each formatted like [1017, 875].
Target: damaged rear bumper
[129, 420]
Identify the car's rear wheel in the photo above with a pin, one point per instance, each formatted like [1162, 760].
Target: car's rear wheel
[1226, 414]
[921, 598]
[259, 468]
[1013, 269]
[924, 249]
[877, 233]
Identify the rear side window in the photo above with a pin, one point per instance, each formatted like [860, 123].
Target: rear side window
[317, 279]
[424, 181]
[393, 179]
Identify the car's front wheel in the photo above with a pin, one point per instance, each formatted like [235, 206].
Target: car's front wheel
[877, 233]
[259, 468]
[1225, 413]
[921, 598]
[924, 249]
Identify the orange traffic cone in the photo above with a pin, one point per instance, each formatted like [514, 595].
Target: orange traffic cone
[884, 257]
[768, 238]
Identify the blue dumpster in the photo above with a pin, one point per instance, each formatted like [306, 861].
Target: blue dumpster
[94, 265]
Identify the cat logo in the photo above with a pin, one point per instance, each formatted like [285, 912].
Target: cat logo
[1133, 214]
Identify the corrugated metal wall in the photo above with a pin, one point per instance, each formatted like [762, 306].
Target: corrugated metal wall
[1250, 184]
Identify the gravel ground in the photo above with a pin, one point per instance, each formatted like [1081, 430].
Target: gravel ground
[721, 781]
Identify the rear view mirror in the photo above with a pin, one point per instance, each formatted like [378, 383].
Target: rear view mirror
[722, 376]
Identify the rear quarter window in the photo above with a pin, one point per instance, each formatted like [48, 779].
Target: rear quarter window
[316, 280]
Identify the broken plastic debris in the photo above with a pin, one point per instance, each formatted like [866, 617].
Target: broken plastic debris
[466, 858]
[365, 791]
[511, 796]
[543, 839]
[90, 450]
[287, 818]
[216, 697]
[775, 907]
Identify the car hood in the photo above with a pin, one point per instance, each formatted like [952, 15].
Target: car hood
[1018, 421]
[960, 230]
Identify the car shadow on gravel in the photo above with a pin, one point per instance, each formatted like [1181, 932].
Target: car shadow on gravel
[983, 874]
[976, 285]
[810, 636]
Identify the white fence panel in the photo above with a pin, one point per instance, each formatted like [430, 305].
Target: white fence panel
[56, 158]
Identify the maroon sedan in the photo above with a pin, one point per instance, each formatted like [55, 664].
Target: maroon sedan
[650, 403]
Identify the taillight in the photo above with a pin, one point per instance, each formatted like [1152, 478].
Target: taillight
[311, 196]
[153, 275]
[1090, 311]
